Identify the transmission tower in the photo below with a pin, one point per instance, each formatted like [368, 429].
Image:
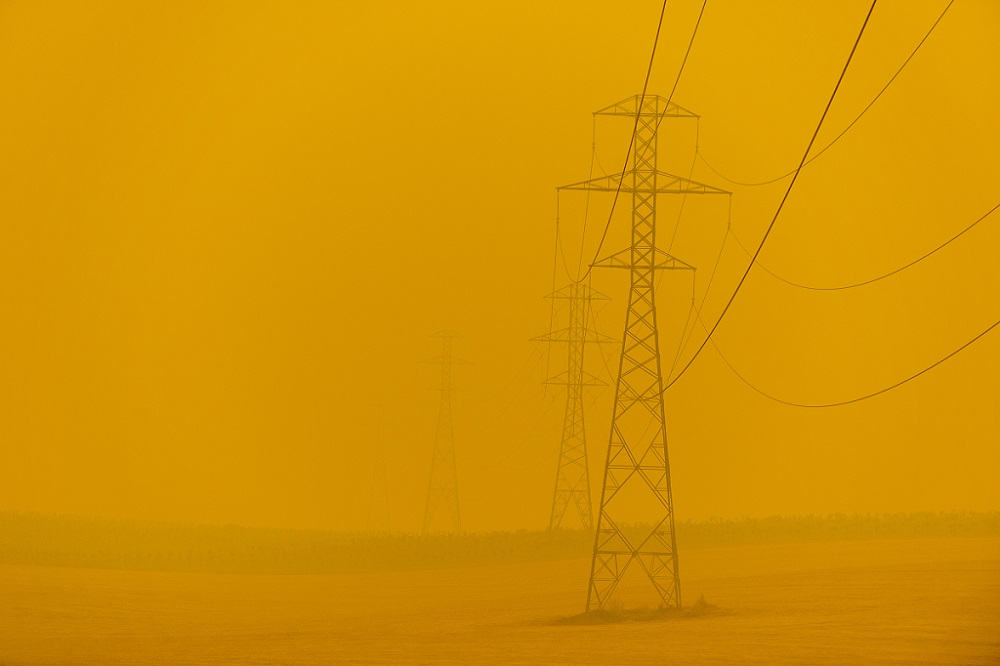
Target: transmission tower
[378, 505]
[573, 471]
[635, 524]
[443, 487]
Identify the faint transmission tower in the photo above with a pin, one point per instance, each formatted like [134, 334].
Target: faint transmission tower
[443, 488]
[378, 505]
[635, 524]
[573, 471]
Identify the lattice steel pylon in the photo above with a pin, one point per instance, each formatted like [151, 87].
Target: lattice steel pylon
[573, 470]
[635, 523]
[378, 505]
[443, 486]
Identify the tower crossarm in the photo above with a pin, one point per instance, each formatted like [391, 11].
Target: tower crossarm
[588, 336]
[652, 105]
[575, 291]
[655, 182]
[441, 360]
[623, 259]
[566, 378]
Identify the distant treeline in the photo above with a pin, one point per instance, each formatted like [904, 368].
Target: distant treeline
[52, 540]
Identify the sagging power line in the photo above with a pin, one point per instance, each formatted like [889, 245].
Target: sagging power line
[870, 280]
[837, 138]
[784, 198]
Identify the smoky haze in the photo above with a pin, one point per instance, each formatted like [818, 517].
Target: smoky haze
[230, 231]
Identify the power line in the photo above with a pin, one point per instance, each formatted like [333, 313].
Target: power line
[555, 270]
[597, 157]
[681, 70]
[517, 394]
[781, 205]
[600, 350]
[841, 403]
[687, 320]
[686, 335]
[684, 197]
[553, 453]
[560, 248]
[845, 130]
[586, 208]
[628, 153]
[531, 357]
[520, 444]
[871, 280]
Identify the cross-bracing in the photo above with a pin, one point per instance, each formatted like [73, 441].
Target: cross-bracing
[442, 491]
[573, 471]
[635, 523]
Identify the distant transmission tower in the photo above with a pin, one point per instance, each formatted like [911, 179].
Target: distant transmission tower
[635, 524]
[443, 488]
[573, 471]
[378, 505]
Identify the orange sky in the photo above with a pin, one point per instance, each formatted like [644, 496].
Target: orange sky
[227, 232]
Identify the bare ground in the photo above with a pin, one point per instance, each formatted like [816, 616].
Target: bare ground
[904, 601]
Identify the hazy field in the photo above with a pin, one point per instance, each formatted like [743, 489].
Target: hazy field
[916, 601]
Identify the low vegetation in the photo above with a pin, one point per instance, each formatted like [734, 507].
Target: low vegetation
[52, 540]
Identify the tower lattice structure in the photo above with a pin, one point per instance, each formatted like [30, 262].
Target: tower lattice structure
[572, 488]
[442, 491]
[378, 505]
[635, 523]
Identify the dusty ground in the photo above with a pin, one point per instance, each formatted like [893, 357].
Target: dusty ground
[933, 601]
